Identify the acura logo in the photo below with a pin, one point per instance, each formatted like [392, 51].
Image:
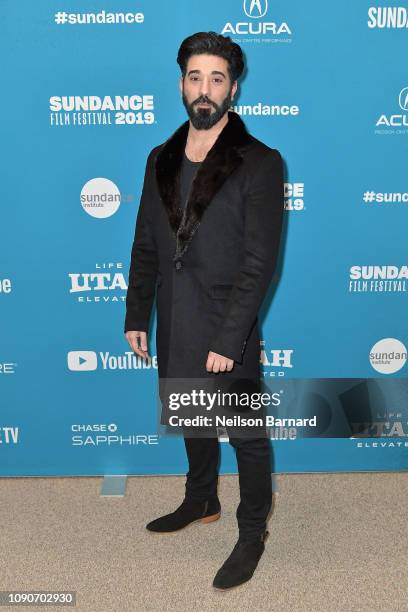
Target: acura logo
[255, 8]
[403, 99]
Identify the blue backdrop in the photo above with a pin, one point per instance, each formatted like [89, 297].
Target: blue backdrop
[86, 94]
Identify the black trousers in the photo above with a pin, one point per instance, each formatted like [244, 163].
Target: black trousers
[254, 469]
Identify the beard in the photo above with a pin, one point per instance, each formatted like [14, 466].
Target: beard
[204, 118]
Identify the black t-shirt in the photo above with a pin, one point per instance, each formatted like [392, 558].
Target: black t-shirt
[188, 170]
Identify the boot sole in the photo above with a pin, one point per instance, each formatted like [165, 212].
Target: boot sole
[206, 519]
[235, 586]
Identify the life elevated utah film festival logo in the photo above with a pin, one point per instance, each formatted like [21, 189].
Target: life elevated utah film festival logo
[101, 110]
[106, 283]
[274, 361]
[257, 26]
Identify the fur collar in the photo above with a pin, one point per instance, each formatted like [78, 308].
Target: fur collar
[221, 160]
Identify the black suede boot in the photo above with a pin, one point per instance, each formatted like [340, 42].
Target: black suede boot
[242, 562]
[189, 511]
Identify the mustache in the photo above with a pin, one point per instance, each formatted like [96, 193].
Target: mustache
[205, 100]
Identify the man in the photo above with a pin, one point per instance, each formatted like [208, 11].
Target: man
[207, 233]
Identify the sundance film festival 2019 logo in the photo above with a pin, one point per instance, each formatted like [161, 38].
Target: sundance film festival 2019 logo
[106, 284]
[378, 279]
[387, 17]
[294, 195]
[396, 123]
[256, 26]
[105, 110]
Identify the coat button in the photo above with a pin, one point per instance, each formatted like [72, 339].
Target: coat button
[179, 265]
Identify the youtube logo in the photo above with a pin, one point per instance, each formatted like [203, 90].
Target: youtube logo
[82, 361]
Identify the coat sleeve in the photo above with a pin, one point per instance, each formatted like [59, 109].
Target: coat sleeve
[263, 228]
[143, 261]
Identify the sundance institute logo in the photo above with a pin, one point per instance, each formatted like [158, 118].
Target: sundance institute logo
[388, 356]
[101, 198]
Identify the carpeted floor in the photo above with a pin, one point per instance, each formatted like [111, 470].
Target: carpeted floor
[338, 542]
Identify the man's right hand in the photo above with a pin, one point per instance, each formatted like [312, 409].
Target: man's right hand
[134, 337]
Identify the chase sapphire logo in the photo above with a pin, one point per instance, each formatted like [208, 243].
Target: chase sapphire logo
[255, 9]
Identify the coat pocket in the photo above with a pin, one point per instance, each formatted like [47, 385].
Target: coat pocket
[220, 291]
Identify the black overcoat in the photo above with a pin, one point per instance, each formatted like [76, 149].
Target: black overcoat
[212, 261]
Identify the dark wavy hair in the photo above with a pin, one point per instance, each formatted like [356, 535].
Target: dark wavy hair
[214, 44]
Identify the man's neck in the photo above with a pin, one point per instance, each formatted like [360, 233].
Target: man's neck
[199, 142]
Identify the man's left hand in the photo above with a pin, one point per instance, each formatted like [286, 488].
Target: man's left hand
[218, 363]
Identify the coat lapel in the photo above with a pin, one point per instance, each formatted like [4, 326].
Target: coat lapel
[221, 160]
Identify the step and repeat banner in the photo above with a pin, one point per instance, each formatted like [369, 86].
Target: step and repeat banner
[88, 89]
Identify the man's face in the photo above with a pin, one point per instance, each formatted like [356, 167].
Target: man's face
[206, 90]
